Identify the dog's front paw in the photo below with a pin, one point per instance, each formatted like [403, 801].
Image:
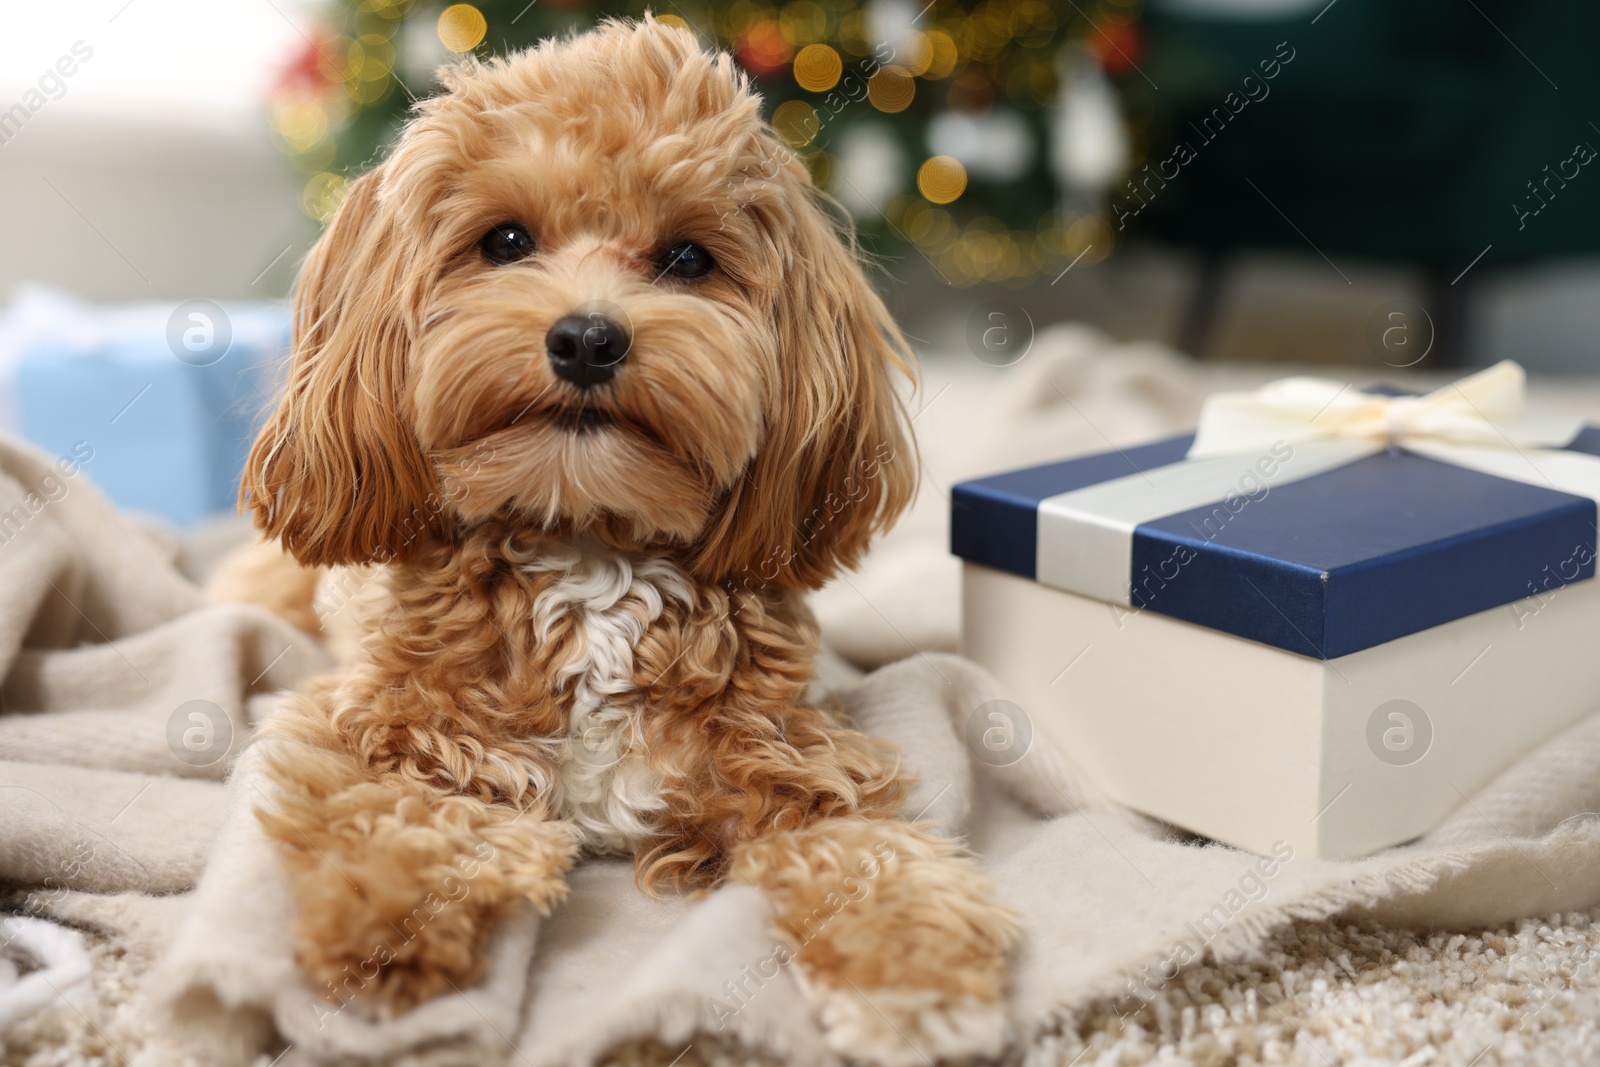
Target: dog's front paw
[910, 1027]
[905, 956]
[397, 887]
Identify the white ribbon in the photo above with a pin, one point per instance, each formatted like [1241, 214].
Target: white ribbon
[1085, 537]
[1485, 409]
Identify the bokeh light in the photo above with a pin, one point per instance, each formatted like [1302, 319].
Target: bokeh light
[942, 55]
[302, 123]
[1092, 237]
[803, 21]
[817, 68]
[918, 55]
[853, 34]
[796, 122]
[763, 48]
[370, 58]
[461, 27]
[322, 195]
[891, 90]
[931, 229]
[941, 179]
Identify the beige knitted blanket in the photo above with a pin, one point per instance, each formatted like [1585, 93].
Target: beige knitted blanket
[126, 699]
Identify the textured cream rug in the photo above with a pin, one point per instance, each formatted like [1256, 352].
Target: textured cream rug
[1318, 994]
[1331, 993]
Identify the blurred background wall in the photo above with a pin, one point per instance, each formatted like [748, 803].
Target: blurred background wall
[148, 172]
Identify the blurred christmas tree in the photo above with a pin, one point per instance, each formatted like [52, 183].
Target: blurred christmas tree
[984, 134]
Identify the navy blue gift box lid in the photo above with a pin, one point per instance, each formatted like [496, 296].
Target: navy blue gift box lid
[1321, 549]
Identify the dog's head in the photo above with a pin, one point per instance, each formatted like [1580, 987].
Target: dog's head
[590, 292]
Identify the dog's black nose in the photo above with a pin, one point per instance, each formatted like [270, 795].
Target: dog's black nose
[586, 349]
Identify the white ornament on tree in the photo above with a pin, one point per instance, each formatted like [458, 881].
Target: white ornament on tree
[871, 165]
[893, 23]
[996, 146]
[1090, 143]
[421, 52]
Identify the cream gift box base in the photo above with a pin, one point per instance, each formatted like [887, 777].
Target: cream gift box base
[1252, 745]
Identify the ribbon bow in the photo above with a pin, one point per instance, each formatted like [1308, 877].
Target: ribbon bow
[1486, 409]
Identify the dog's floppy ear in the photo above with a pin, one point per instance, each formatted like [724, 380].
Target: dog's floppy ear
[837, 464]
[336, 473]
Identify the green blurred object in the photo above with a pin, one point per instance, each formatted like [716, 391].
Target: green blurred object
[1427, 132]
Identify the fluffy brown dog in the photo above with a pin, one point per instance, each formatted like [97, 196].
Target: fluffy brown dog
[588, 385]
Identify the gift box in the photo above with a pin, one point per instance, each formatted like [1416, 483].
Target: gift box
[163, 398]
[1324, 619]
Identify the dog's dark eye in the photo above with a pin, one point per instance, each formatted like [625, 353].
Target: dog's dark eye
[686, 260]
[507, 243]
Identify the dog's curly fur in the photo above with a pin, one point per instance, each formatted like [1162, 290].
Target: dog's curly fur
[588, 632]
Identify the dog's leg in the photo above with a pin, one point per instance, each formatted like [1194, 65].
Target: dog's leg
[893, 932]
[895, 937]
[396, 884]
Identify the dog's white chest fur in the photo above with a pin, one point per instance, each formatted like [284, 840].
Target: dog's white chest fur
[602, 785]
